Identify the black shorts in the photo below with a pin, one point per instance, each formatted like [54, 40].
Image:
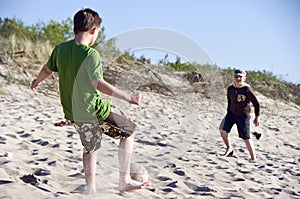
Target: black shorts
[242, 123]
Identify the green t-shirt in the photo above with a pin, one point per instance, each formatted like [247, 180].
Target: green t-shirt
[77, 66]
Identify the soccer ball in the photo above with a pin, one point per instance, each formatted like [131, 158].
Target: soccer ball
[138, 172]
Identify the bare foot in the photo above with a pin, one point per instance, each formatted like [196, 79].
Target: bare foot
[89, 191]
[132, 185]
[229, 152]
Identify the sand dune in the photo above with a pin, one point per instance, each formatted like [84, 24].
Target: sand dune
[177, 140]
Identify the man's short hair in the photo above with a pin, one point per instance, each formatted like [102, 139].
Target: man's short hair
[85, 20]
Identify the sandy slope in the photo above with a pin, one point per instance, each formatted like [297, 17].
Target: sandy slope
[177, 140]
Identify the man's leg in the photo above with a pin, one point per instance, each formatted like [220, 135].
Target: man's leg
[89, 166]
[251, 149]
[125, 152]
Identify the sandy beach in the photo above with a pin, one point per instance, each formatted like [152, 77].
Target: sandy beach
[177, 140]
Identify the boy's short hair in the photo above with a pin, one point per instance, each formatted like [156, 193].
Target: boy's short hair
[85, 20]
[240, 72]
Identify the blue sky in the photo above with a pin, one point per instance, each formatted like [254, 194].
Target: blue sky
[249, 34]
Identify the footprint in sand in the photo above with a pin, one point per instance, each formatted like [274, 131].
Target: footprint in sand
[52, 163]
[40, 142]
[172, 184]
[42, 172]
[163, 178]
[2, 140]
[167, 190]
[5, 182]
[200, 189]
[77, 175]
[42, 159]
[179, 172]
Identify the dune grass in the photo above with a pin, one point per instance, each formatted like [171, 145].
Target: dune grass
[14, 47]
[2, 92]
[24, 58]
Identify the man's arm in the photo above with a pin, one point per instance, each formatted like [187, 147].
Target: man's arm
[44, 73]
[108, 89]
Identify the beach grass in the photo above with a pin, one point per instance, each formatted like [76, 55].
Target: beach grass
[25, 57]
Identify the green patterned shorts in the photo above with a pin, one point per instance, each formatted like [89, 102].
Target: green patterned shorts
[115, 126]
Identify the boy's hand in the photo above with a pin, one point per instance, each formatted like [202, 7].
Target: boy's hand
[44, 73]
[33, 85]
[135, 99]
[256, 121]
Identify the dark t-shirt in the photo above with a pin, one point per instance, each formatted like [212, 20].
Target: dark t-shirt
[239, 101]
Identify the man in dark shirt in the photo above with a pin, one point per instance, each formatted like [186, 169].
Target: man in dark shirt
[239, 96]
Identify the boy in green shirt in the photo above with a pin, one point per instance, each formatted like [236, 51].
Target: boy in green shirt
[80, 80]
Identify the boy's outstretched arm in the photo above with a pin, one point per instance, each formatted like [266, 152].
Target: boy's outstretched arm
[110, 90]
[44, 73]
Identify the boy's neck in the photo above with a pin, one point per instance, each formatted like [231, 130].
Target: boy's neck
[238, 85]
[82, 38]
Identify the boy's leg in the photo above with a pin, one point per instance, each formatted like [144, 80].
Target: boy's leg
[125, 152]
[251, 149]
[91, 144]
[225, 127]
[243, 125]
[226, 140]
[89, 166]
[121, 122]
